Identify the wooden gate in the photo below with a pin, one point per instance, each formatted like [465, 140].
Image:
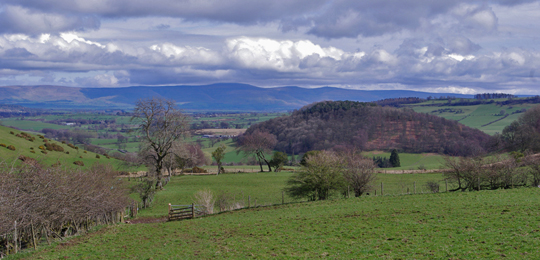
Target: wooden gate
[177, 212]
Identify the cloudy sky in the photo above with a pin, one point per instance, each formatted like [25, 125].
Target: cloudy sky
[435, 46]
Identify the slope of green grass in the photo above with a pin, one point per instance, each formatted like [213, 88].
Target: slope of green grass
[475, 116]
[472, 225]
[23, 147]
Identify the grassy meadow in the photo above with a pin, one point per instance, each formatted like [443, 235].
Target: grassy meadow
[266, 188]
[466, 225]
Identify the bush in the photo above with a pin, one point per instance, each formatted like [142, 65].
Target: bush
[432, 186]
[32, 151]
[44, 152]
[54, 147]
[31, 148]
[79, 163]
[206, 199]
[97, 156]
[11, 147]
[11, 132]
[28, 160]
[80, 157]
[3, 145]
[85, 152]
[67, 152]
[41, 147]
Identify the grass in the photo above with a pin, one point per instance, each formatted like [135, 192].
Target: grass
[23, 147]
[265, 188]
[476, 116]
[468, 225]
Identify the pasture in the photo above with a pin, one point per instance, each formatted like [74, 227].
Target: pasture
[465, 225]
[483, 117]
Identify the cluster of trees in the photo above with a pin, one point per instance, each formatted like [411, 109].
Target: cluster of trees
[77, 136]
[476, 173]
[366, 126]
[493, 96]
[522, 134]
[325, 173]
[383, 162]
[55, 202]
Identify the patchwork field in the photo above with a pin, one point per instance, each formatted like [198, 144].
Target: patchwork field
[482, 117]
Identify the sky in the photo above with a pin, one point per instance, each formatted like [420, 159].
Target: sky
[449, 46]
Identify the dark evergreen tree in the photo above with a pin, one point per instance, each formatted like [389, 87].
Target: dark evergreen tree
[394, 159]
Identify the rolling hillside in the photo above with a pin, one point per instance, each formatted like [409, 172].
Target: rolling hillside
[24, 147]
[366, 126]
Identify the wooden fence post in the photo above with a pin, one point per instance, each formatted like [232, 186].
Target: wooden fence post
[382, 190]
[15, 237]
[170, 208]
[192, 210]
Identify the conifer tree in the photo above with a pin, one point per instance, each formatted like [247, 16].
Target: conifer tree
[394, 159]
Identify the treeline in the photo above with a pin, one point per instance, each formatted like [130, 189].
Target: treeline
[366, 126]
[46, 203]
[493, 96]
[398, 102]
[492, 173]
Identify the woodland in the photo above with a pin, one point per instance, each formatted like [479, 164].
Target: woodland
[367, 126]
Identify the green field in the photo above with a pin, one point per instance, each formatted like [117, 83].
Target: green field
[475, 116]
[466, 225]
[266, 188]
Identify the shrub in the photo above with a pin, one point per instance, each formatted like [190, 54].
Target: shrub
[97, 156]
[80, 157]
[63, 142]
[67, 152]
[3, 145]
[11, 147]
[11, 132]
[28, 160]
[33, 151]
[41, 147]
[206, 199]
[79, 163]
[432, 186]
[44, 152]
[54, 147]
[85, 152]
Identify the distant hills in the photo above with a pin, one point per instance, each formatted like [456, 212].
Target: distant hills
[223, 96]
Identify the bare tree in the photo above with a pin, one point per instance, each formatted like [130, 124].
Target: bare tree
[161, 124]
[258, 143]
[359, 172]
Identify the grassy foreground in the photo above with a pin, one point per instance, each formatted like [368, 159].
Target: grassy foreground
[486, 224]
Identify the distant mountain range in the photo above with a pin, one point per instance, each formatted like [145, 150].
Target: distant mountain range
[223, 96]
